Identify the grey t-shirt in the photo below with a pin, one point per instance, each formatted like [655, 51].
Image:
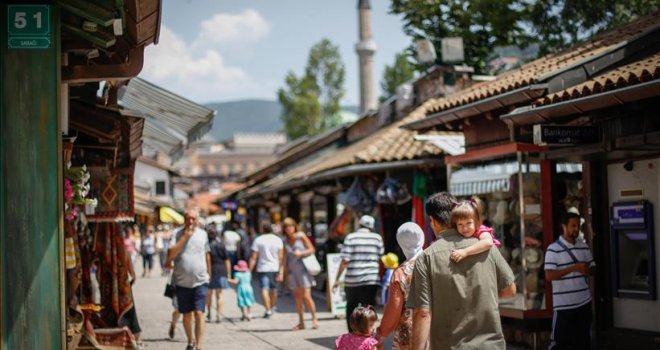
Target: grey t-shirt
[190, 268]
[462, 297]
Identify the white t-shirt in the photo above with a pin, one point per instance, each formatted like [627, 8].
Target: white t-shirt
[190, 268]
[268, 247]
[231, 239]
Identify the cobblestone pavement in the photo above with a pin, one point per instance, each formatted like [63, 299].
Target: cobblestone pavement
[154, 312]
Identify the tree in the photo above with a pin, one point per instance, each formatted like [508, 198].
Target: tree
[395, 75]
[483, 24]
[557, 24]
[310, 104]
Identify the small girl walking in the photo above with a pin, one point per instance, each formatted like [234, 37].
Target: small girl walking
[363, 323]
[244, 292]
[466, 219]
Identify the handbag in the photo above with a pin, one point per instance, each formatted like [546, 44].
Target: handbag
[311, 264]
[170, 288]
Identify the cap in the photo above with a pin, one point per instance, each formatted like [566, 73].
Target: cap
[390, 260]
[367, 221]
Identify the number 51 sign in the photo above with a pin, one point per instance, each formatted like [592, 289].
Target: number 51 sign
[28, 26]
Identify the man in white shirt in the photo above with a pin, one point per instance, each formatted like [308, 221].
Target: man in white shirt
[268, 258]
[568, 264]
[192, 269]
[232, 240]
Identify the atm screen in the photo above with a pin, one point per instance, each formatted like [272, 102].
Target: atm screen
[637, 236]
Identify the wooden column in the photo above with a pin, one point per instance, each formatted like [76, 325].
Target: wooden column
[31, 237]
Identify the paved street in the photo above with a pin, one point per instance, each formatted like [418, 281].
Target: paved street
[154, 311]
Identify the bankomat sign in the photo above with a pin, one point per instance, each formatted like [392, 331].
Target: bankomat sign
[564, 135]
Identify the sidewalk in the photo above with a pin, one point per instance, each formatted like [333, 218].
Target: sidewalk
[154, 312]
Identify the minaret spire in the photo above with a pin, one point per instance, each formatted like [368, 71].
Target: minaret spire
[366, 48]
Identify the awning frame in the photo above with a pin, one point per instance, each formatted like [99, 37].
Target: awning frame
[524, 94]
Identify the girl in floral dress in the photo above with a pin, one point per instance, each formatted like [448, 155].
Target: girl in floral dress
[244, 292]
[363, 323]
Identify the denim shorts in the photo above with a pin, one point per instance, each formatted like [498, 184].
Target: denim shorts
[267, 280]
[218, 283]
[191, 299]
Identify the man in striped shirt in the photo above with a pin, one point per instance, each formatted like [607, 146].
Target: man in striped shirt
[360, 255]
[568, 263]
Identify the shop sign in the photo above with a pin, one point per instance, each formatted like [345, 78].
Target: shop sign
[565, 135]
[28, 26]
[229, 205]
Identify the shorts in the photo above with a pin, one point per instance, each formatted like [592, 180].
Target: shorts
[267, 280]
[191, 299]
[218, 283]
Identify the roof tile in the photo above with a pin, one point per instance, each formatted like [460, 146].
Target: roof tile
[530, 72]
[637, 72]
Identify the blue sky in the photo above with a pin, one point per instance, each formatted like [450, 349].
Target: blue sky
[224, 50]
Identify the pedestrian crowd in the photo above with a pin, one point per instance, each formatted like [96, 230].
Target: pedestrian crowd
[445, 296]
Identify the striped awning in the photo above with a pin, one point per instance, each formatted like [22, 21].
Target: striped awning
[496, 177]
[172, 121]
[467, 188]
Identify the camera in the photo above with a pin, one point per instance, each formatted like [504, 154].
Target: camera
[628, 166]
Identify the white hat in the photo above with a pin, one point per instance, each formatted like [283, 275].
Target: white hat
[367, 221]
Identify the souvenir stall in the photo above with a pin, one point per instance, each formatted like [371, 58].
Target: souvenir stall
[98, 197]
[616, 139]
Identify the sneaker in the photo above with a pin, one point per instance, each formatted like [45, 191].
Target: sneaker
[208, 317]
[217, 319]
[268, 314]
[190, 347]
[274, 310]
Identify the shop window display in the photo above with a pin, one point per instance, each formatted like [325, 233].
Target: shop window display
[516, 215]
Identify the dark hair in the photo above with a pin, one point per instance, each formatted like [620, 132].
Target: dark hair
[568, 216]
[439, 206]
[362, 318]
[465, 210]
[266, 227]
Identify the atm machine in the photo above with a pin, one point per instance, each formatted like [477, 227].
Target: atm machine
[633, 250]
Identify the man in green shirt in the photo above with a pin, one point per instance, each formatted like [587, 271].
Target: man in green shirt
[457, 301]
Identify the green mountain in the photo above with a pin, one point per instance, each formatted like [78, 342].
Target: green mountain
[246, 116]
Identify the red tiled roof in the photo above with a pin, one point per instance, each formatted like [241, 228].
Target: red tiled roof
[392, 143]
[534, 72]
[641, 71]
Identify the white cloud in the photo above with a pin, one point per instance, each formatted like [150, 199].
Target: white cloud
[238, 29]
[202, 76]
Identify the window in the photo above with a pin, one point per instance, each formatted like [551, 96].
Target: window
[160, 188]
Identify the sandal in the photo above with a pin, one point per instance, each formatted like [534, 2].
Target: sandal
[298, 327]
[315, 325]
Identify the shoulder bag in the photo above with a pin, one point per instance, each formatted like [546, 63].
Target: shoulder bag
[311, 263]
[573, 257]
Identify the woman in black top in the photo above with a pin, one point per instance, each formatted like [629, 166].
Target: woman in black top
[220, 272]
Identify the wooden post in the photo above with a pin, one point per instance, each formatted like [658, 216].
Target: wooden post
[31, 241]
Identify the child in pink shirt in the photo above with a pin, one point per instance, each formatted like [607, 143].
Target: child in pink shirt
[363, 323]
[466, 219]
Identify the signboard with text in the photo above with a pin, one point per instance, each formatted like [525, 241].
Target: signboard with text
[337, 296]
[28, 27]
[565, 135]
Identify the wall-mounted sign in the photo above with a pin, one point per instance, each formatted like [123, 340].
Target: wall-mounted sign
[565, 135]
[28, 26]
